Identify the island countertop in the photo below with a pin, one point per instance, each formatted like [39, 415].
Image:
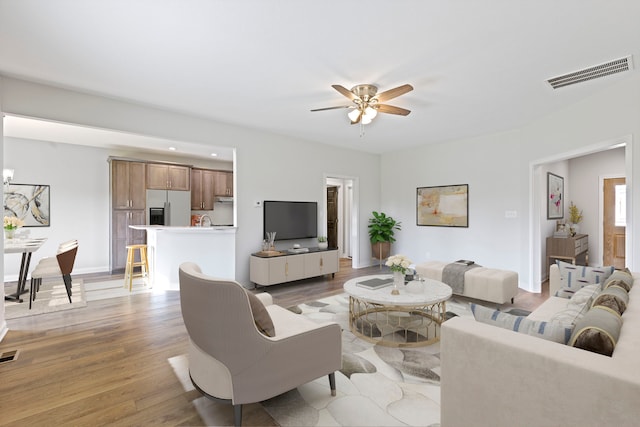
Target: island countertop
[212, 248]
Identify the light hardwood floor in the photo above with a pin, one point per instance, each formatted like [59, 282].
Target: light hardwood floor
[107, 364]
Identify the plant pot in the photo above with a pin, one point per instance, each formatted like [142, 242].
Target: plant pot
[323, 245]
[9, 233]
[380, 250]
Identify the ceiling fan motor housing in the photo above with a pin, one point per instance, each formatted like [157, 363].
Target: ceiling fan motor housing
[365, 92]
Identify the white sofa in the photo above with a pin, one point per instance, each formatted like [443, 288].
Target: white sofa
[486, 284]
[496, 377]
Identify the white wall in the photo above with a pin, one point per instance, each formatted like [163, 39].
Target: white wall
[268, 166]
[498, 169]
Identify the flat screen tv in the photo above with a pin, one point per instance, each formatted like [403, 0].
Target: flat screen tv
[291, 220]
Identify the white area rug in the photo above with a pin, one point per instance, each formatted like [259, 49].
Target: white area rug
[51, 297]
[378, 386]
[114, 289]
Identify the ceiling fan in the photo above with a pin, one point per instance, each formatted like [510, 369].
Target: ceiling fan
[367, 102]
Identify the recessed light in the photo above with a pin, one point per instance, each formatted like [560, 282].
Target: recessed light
[172, 148]
[214, 155]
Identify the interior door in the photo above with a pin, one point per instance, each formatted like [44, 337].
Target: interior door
[613, 246]
[332, 216]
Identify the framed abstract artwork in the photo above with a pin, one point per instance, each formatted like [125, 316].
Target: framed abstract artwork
[28, 202]
[555, 196]
[443, 206]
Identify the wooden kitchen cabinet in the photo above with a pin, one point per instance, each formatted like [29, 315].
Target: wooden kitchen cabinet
[223, 183]
[128, 190]
[122, 235]
[168, 177]
[202, 189]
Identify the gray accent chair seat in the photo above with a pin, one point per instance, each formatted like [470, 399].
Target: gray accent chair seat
[232, 361]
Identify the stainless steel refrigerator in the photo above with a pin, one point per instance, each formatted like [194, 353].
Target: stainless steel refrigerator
[176, 204]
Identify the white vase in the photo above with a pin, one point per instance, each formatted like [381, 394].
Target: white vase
[323, 245]
[398, 282]
[9, 233]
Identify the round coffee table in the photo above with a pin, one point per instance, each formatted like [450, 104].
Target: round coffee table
[410, 319]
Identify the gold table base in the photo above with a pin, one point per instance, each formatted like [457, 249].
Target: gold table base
[396, 325]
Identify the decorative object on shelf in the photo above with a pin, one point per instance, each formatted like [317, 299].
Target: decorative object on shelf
[11, 224]
[443, 206]
[555, 196]
[29, 202]
[575, 216]
[381, 231]
[322, 242]
[271, 237]
[561, 229]
[399, 265]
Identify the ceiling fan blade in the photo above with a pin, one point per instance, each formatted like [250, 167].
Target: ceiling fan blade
[333, 108]
[390, 109]
[393, 93]
[346, 92]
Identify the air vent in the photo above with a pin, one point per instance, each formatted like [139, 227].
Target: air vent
[597, 71]
[8, 356]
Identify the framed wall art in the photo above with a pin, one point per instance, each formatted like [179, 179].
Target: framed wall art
[29, 203]
[555, 196]
[443, 206]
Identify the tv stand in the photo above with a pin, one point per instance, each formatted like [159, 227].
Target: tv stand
[270, 269]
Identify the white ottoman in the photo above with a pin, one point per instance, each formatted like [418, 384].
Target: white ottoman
[487, 284]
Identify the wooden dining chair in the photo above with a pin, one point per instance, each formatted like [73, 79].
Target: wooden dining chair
[61, 268]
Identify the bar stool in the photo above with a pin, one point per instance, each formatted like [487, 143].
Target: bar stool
[131, 263]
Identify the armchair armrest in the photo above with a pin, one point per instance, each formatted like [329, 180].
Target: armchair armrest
[265, 298]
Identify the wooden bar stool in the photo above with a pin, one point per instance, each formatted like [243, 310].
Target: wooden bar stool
[131, 264]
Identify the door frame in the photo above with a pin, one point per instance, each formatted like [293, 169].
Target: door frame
[601, 215]
[537, 189]
[354, 209]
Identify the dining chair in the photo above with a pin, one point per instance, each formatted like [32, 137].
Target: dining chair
[63, 266]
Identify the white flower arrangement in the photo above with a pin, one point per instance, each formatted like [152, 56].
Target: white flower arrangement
[398, 263]
[12, 222]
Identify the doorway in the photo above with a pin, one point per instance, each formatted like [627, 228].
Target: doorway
[614, 222]
[341, 216]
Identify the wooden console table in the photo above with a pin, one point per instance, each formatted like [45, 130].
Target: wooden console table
[573, 249]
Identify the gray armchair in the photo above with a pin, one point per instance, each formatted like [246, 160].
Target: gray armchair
[230, 359]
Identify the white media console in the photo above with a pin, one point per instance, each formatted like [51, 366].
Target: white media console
[271, 268]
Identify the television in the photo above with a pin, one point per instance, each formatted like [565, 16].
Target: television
[291, 220]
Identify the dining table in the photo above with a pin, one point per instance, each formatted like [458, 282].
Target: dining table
[26, 246]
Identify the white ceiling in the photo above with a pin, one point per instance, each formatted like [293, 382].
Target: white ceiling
[478, 67]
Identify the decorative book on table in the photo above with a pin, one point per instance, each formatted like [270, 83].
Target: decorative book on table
[465, 262]
[375, 283]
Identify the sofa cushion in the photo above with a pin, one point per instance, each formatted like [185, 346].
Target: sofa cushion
[585, 295]
[552, 331]
[597, 331]
[620, 276]
[614, 297]
[576, 276]
[261, 316]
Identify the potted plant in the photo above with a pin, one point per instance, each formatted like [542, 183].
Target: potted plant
[322, 242]
[575, 216]
[381, 229]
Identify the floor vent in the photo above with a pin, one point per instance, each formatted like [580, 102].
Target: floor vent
[8, 356]
[595, 72]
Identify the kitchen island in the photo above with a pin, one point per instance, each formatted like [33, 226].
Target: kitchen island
[212, 248]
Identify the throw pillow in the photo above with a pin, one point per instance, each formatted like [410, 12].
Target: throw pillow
[584, 295]
[614, 297]
[552, 331]
[577, 276]
[261, 316]
[620, 276]
[597, 331]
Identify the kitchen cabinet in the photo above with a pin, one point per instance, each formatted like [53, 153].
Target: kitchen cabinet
[128, 189]
[122, 235]
[223, 183]
[271, 270]
[168, 177]
[202, 189]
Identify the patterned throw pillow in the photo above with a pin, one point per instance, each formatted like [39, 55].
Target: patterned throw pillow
[552, 331]
[577, 276]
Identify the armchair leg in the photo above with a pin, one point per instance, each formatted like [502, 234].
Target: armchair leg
[332, 383]
[237, 415]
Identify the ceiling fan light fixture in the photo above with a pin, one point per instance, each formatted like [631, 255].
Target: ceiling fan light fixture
[353, 114]
[371, 113]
